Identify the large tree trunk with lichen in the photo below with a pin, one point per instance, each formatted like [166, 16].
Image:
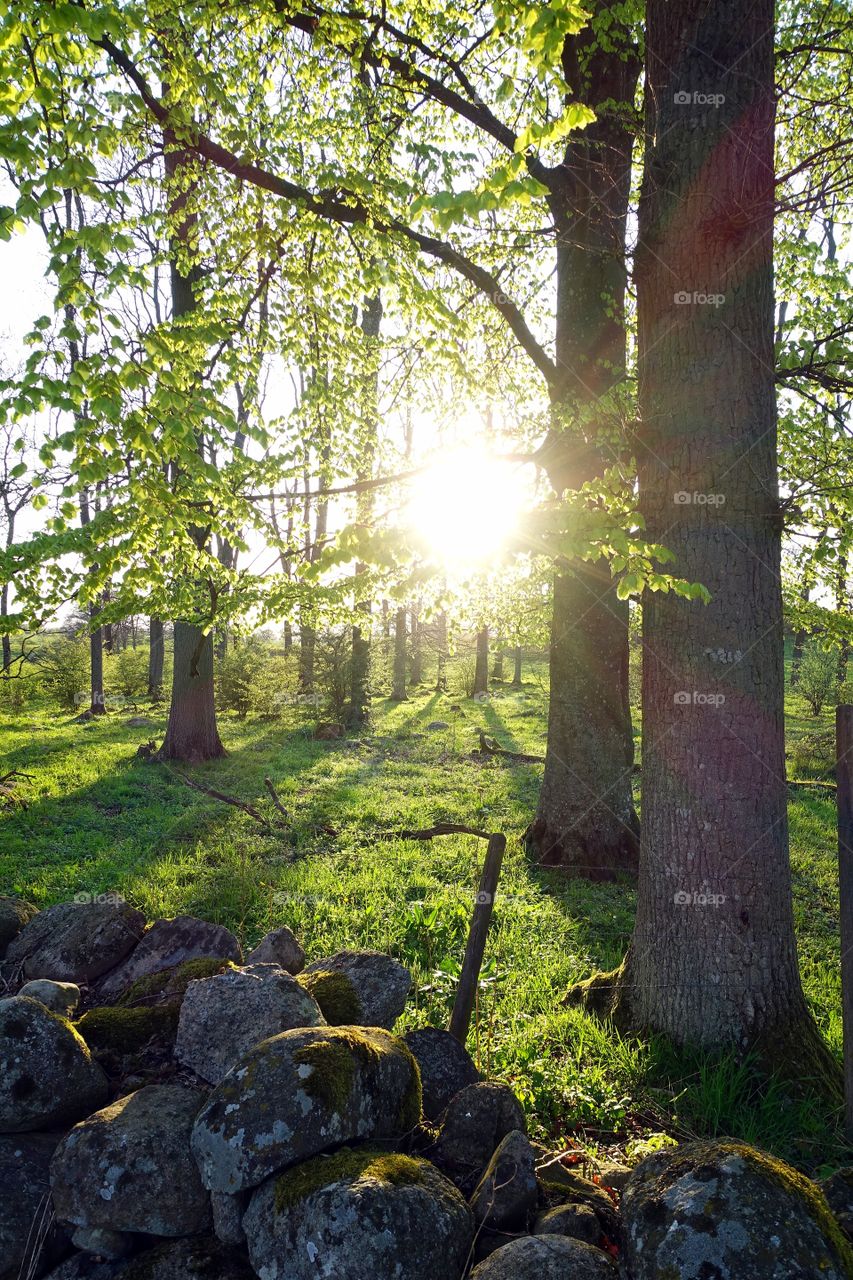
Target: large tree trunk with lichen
[585, 820]
[713, 959]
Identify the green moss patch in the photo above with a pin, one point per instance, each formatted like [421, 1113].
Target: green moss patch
[171, 983]
[335, 994]
[114, 1032]
[360, 1165]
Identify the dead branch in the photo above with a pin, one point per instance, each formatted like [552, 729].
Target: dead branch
[489, 747]
[217, 795]
[268, 783]
[440, 829]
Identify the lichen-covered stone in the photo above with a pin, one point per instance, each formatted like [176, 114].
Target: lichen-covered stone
[60, 997]
[116, 1035]
[14, 914]
[280, 946]
[575, 1220]
[358, 1213]
[196, 1258]
[335, 995]
[24, 1205]
[169, 943]
[223, 1017]
[77, 941]
[562, 1186]
[300, 1093]
[380, 982]
[104, 1243]
[546, 1258]
[477, 1119]
[47, 1076]
[129, 1167]
[169, 986]
[838, 1189]
[726, 1210]
[446, 1067]
[228, 1216]
[506, 1195]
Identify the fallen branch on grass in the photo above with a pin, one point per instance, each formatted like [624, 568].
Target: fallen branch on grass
[8, 785]
[812, 782]
[268, 783]
[218, 795]
[440, 829]
[489, 747]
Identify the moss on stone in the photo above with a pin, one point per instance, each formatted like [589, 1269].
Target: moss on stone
[348, 1164]
[115, 1031]
[335, 994]
[332, 1072]
[172, 982]
[409, 1112]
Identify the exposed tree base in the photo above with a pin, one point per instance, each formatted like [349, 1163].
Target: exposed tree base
[594, 858]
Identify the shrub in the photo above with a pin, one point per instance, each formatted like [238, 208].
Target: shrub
[238, 672]
[128, 673]
[274, 686]
[813, 753]
[64, 671]
[818, 682]
[333, 671]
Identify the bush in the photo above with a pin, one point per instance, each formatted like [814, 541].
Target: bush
[238, 673]
[64, 671]
[333, 671]
[128, 674]
[818, 681]
[813, 754]
[274, 686]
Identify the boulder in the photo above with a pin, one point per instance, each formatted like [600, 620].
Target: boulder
[169, 943]
[435, 726]
[547, 1258]
[562, 1186]
[724, 1209]
[475, 1122]
[130, 1168]
[506, 1195]
[24, 1215]
[228, 1216]
[47, 1076]
[280, 947]
[77, 941]
[104, 1243]
[358, 1213]
[14, 914]
[125, 1041]
[446, 1067]
[61, 997]
[223, 1017]
[373, 995]
[838, 1189]
[576, 1220]
[196, 1258]
[85, 1266]
[300, 1092]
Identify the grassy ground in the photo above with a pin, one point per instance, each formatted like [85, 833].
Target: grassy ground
[98, 820]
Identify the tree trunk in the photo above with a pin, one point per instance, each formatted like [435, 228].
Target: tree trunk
[307, 649]
[359, 705]
[288, 637]
[441, 644]
[398, 690]
[797, 656]
[585, 820]
[498, 664]
[481, 664]
[516, 674]
[97, 697]
[417, 674]
[713, 960]
[842, 607]
[155, 659]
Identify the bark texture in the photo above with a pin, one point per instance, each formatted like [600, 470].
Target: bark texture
[481, 663]
[398, 689]
[155, 658]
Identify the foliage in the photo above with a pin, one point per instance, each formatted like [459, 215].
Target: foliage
[818, 676]
[63, 666]
[241, 674]
[127, 674]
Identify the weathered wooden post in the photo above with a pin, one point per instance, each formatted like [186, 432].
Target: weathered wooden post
[466, 992]
[844, 776]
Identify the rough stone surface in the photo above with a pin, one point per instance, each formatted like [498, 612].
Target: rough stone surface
[436, 725]
[546, 1258]
[197, 1258]
[562, 1186]
[725, 1210]
[24, 1175]
[103, 1243]
[575, 1220]
[14, 914]
[171, 942]
[446, 1067]
[223, 1017]
[228, 1216]
[61, 997]
[77, 941]
[300, 1092]
[280, 947]
[611, 1174]
[476, 1120]
[130, 1168]
[380, 983]
[47, 1076]
[838, 1190]
[357, 1214]
[506, 1195]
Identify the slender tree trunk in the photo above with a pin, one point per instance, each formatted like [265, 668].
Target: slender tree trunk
[585, 820]
[498, 664]
[155, 659]
[481, 663]
[713, 960]
[842, 606]
[288, 637]
[516, 674]
[359, 704]
[5, 640]
[417, 674]
[307, 652]
[441, 645]
[398, 689]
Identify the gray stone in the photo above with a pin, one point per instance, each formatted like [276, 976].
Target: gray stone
[381, 984]
[506, 1195]
[562, 1186]
[169, 943]
[446, 1067]
[223, 1017]
[61, 997]
[103, 1243]
[130, 1168]
[297, 1094]
[77, 941]
[228, 1216]
[726, 1210]
[25, 1205]
[14, 914]
[612, 1174]
[356, 1214]
[436, 725]
[280, 947]
[838, 1189]
[576, 1220]
[85, 1266]
[546, 1258]
[196, 1258]
[47, 1075]
[475, 1122]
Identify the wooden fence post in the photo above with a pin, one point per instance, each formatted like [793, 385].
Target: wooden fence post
[844, 776]
[463, 1005]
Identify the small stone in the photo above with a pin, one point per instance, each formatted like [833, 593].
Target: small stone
[280, 947]
[228, 1216]
[169, 943]
[47, 1076]
[61, 997]
[380, 983]
[140, 722]
[575, 1220]
[223, 1017]
[612, 1174]
[103, 1243]
[436, 725]
[329, 732]
[77, 941]
[506, 1195]
[475, 1122]
[14, 914]
[446, 1067]
[546, 1258]
[838, 1189]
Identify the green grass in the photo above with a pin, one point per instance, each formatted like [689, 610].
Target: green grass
[98, 820]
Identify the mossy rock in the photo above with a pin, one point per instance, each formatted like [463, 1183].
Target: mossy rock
[117, 1033]
[335, 994]
[725, 1209]
[47, 1075]
[14, 914]
[170, 985]
[348, 1164]
[379, 982]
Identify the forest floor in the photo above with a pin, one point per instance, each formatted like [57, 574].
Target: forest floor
[98, 820]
